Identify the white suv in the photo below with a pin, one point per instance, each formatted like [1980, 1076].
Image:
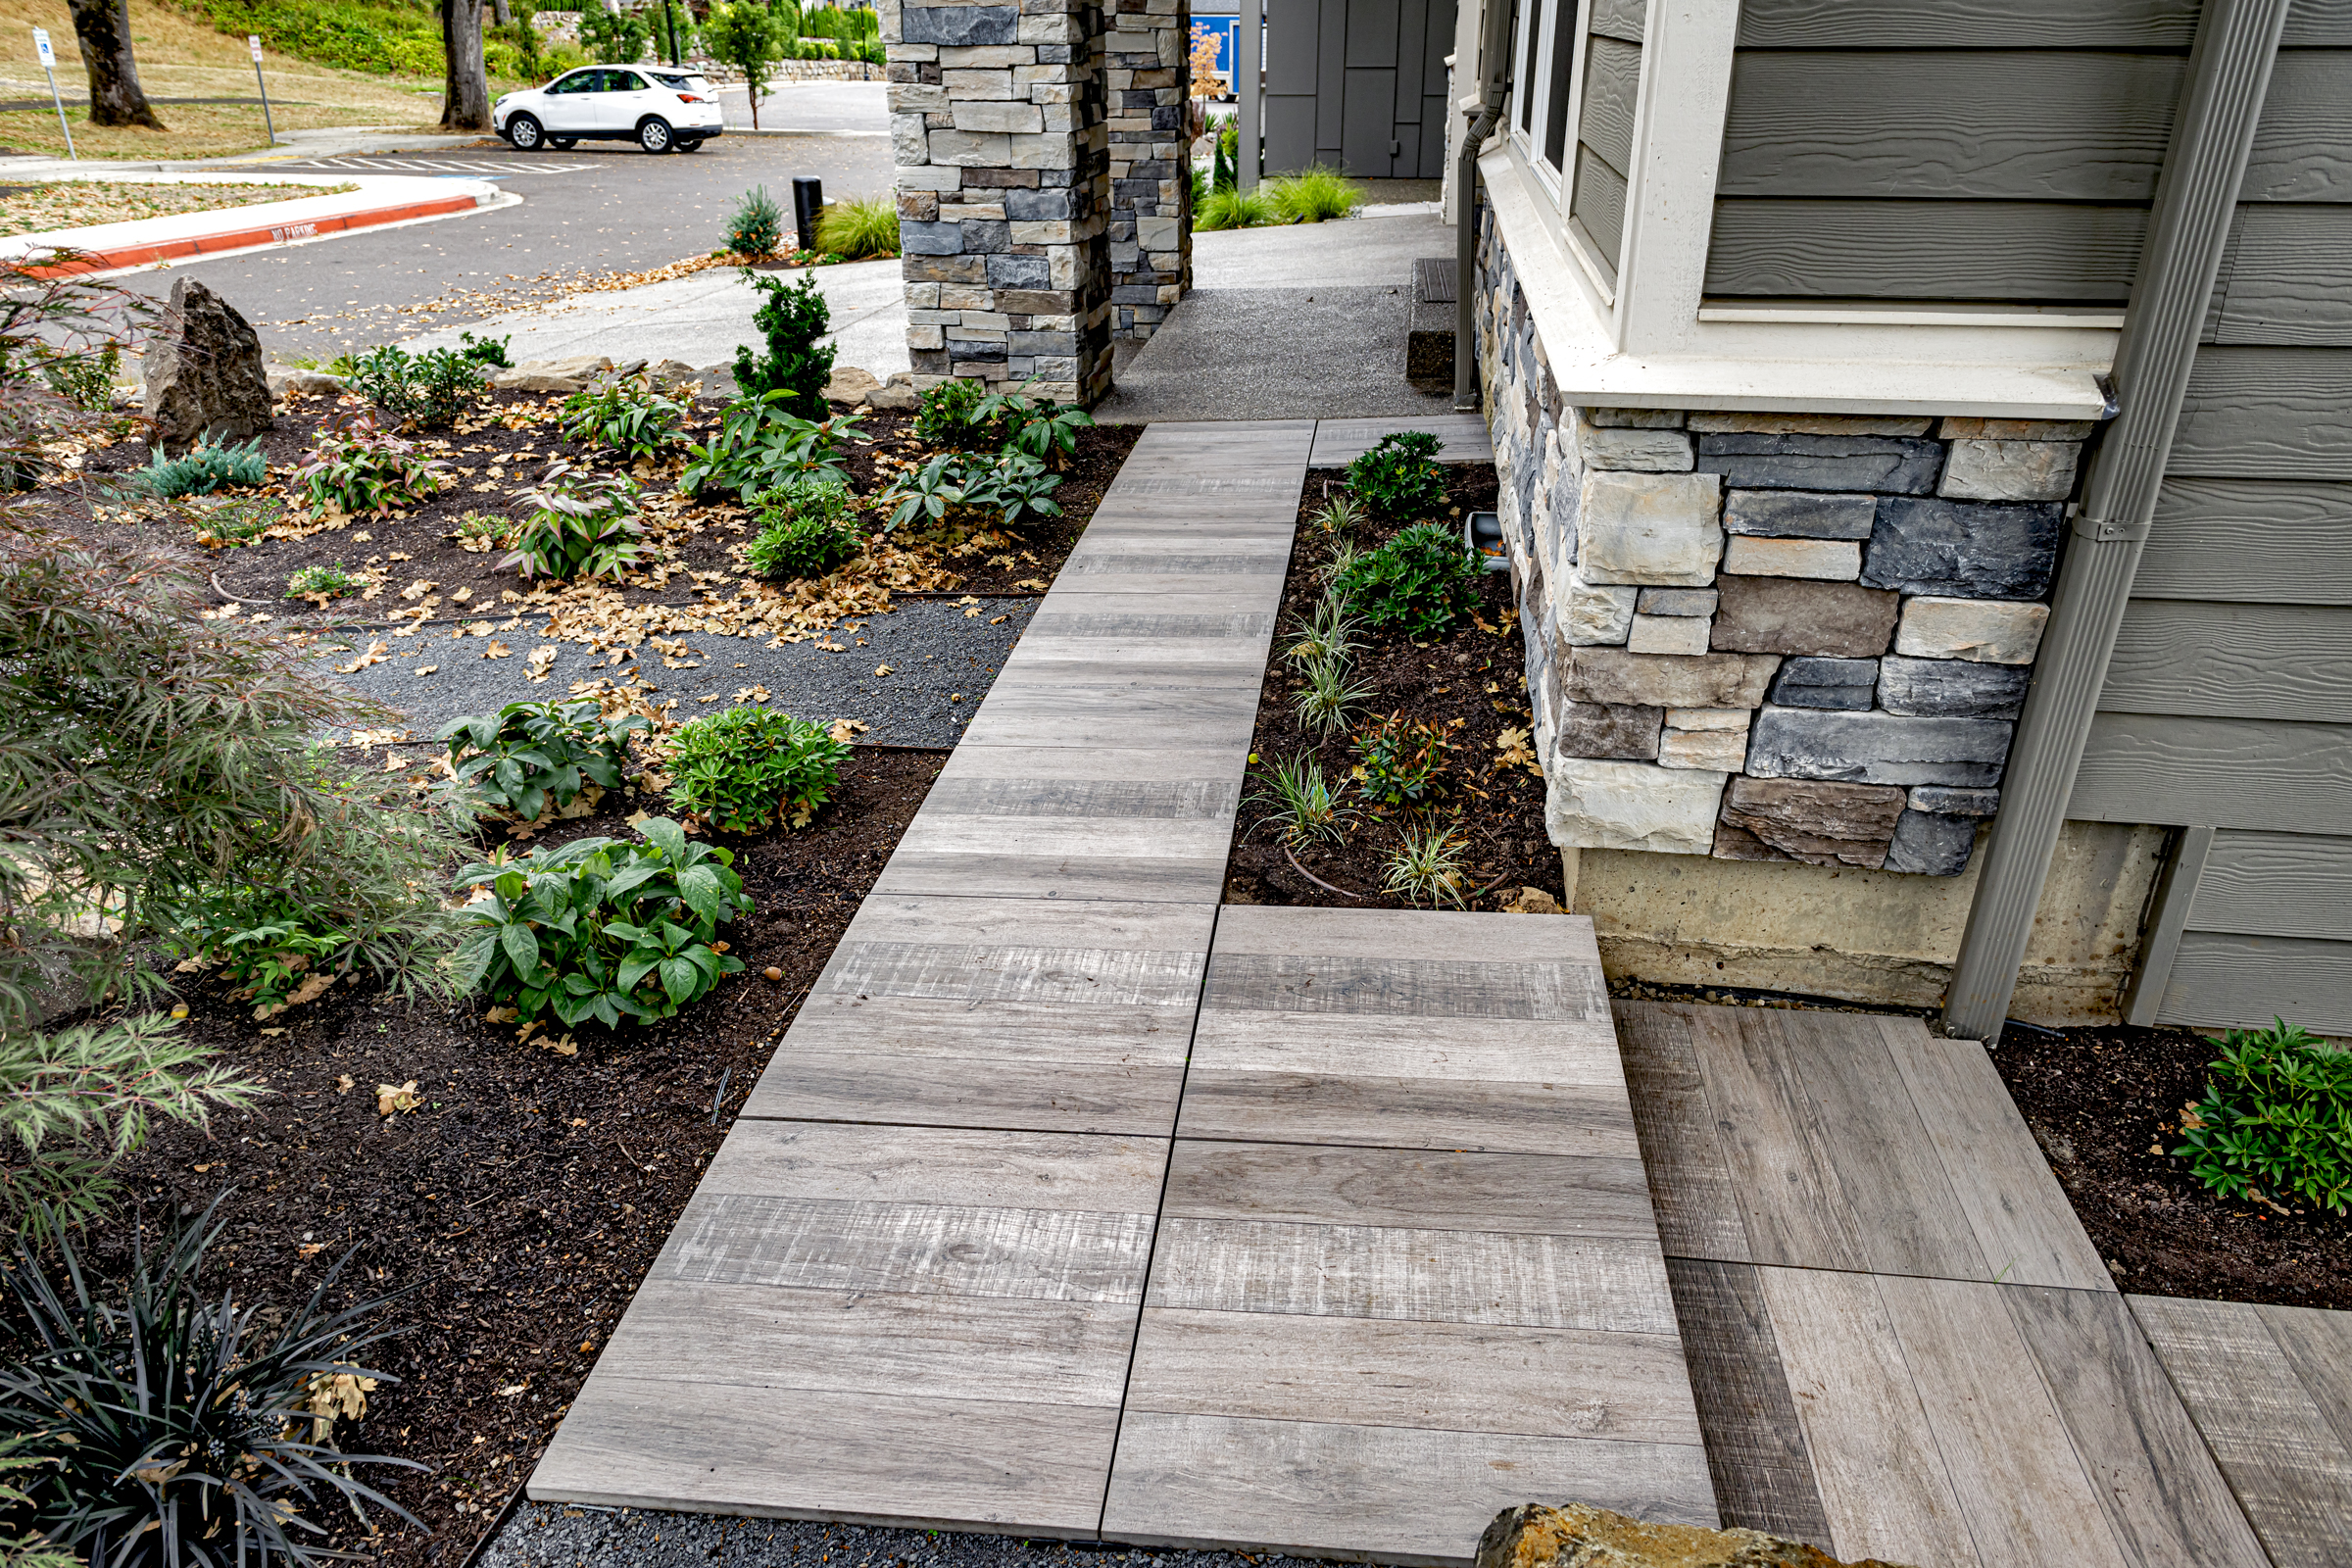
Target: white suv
[653, 106]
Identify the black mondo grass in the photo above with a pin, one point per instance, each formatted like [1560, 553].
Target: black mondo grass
[179, 1433]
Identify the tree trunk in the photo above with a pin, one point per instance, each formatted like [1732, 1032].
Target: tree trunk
[464, 88]
[506, 18]
[103, 29]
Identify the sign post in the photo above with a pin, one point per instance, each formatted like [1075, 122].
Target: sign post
[40, 45]
[254, 41]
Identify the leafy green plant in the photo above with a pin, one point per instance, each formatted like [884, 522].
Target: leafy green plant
[1014, 485]
[478, 532]
[530, 758]
[432, 388]
[2277, 1115]
[932, 490]
[230, 523]
[1327, 633]
[1430, 863]
[1420, 580]
[949, 416]
[1326, 698]
[320, 582]
[1399, 762]
[626, 414]
[1340, 558]
[755, 228]
[1400, 477]
[182, 1431]
[268, 943]
[1235, 209]
[762, 445]
[203, 469]
[27, 1548]
[614, 38]
[743, 767]
[803, 530]
[1041, 428]
[795, 320]
[1336, 518]
[360, 470]
[751, 38]
[1301, 804]
[580, 526]
[489, 351]
[1314, 195]
[85, 381]
[858, 226]
[601, 928]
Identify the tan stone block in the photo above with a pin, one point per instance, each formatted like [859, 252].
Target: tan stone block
[1709, 680]
[1667, 634]
[1044, 231]
[1799, 615]
[1989, 631]
[924, 296]
[1051, 150]
[1972, 429]
[1016, 118]
[970, 149]
[914, 98]
[1708, 717]
[979, 56]
[962, 86]
[2010, 470]
[1716, 751]
[1659, 529]
[1824, 559]
[1600, 804]
[926, 337]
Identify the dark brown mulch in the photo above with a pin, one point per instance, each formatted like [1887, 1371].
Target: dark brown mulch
[1472, 673]
[522, 1201]
[2104, 1104]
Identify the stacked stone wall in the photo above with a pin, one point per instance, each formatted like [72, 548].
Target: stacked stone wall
[1769, 636]
[999, 131]
[1147, 81]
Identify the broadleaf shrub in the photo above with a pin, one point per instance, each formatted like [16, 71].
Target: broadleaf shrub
[625, 414]
[602, 929]
[360, 469]
[530, 758]
[1400, 477]
[803, 530]
[1420, 580]
[742, 769]
[1399, 762]
[949, 416]
[762, 445]
[203, 469]
[432, 388]
[799, 361]
[580, 526]
[2276, 1119]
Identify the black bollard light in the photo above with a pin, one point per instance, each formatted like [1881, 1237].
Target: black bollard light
[807, 200]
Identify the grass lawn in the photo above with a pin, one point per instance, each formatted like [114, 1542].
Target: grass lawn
[85, 203]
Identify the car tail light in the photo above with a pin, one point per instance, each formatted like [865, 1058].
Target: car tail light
[690, 98]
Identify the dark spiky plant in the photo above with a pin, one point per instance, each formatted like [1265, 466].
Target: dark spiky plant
[180, 1432]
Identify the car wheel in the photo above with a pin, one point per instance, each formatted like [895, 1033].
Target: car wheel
[524, 132]
[654, 135]
[563, 144]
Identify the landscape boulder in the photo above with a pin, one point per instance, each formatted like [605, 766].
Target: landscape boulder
[292, 381]
[1577, 1535]
[896, 393]
[203, 373]
[850, 384]
[570, 374]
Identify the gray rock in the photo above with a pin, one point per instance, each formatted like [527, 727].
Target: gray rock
[1928, 845]
[960, 25]
[1801, 819]
[1677, 602]
[1654, 529]
[1810, 423]
[1594, 803]
[1625, 731]
[850, 384]
[1841, 683]
[1636, 418]
[1798, 616]
[569, 375]
[1887, 464]
[1641, 451]
[1963, 549]
[1597, 612]
[930, 239]
[1712, 680]
[1949, 802]
[2011, 470]
[1799, 515]
[1952, 688]
[292, 381]
[1877, 748]
[203, 373]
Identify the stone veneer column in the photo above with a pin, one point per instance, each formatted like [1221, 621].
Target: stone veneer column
[1147, 69]
[1004, 189]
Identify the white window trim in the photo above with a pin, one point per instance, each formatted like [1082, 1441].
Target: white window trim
[1653, 339]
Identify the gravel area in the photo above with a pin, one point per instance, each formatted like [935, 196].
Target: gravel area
[554, 1536]
[940, 657]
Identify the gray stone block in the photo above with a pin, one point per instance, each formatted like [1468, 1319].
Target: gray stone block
[985, 236]
[1882, 464]
[960, 25]
[1928, 845]
[930, 239]
[1711, 680]
[1799, 615]
[1627, 732]
[1677, 602]
[1037, 206]
[1802, 820]
[1963, 549]
[1018, 271]
[1877, 748]
[1952, 688]
[1948, 802]
[1799, 515]
[1841, 683]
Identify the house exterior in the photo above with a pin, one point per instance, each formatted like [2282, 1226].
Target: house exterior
[1887, 637]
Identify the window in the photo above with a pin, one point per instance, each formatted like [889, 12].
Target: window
[623, 81]
[577, 81]
[1551, 31]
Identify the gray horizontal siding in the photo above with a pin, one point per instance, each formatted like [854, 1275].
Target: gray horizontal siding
[1968, 24]
[2258, 774]
[2221, 982]
[1613, 85]
[1599, 207]
[2251, 541]
[1925, 250]
[2276, 885]
[2286, 278]
[1619, 19]
[2219, 660]
[2017, 125]
[2303, 147]
[2266, 413]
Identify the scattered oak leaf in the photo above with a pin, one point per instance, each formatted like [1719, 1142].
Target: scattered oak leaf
[394, 1097]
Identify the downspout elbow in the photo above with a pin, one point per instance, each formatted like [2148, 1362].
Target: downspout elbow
[1465, 257]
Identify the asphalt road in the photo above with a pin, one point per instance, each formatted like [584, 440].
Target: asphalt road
[601, 208]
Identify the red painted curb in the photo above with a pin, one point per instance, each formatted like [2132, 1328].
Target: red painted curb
[107, 261]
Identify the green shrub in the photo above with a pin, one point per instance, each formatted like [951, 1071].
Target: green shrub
[182, 1428]
[743, 767]
[267, 941]
[625, 414]
[530, 758]
[1312, 195]
[561, 55]
[799, 361]
[349, 35]
[360, 469]
[603, 929]
[761, 446]
[756, 226]
[229, 523]
[1401, 476]
[580, 526]
[1235, 209]
[1420, 580]
[2278, 1116]
[859, 227]
[86, 378]
[949, 416]
[490, 351]
[204, 470]
[803, 530]
[1041, 427]
[320, 582]
[1399, 762]
[614, 38]
[432, 388]
[1014, 485]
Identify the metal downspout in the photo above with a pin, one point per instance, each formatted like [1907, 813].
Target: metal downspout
[2196, 199]
[1465, 258]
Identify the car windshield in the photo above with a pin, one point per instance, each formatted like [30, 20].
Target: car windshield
[682, 83]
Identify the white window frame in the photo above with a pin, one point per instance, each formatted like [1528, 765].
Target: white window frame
[1559, 184]
[1653, 339]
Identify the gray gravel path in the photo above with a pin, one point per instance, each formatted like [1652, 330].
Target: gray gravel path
[942, 662]
[552, 1536]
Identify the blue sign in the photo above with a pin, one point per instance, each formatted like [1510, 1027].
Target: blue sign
[1227, 31]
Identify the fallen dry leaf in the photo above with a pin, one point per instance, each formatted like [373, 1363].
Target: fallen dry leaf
[375, 654]
[343, 1084]
[497, 650]
[392, 1098]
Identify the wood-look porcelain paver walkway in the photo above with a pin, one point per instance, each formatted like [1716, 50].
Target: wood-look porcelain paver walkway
[1071, 1202]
